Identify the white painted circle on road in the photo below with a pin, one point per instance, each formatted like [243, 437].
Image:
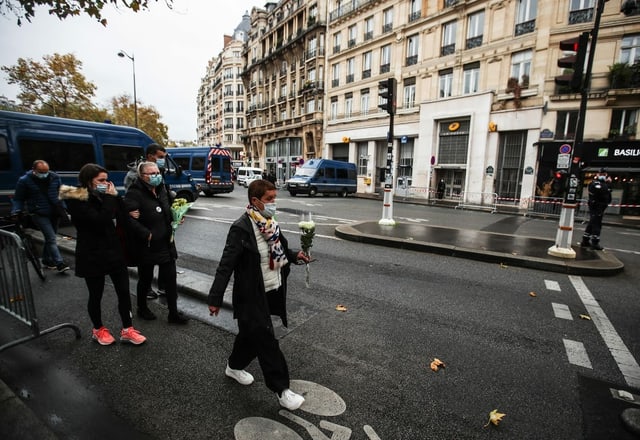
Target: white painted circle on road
[319, 400]
[259, 428]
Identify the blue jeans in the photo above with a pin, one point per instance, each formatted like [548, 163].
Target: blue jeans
[50, 251]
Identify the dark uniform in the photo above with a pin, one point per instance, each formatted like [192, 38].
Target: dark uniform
[599, 199]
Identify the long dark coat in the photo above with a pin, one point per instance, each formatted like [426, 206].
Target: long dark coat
[99, 250]
[241, 258]
[155, 218]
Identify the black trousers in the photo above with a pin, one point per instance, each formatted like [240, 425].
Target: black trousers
[120, 279]
[166, 275]
[595, 225]
[260, 342]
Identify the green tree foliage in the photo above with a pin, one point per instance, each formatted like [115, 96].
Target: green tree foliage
[123, 113]
[54, 87]
[25, 9]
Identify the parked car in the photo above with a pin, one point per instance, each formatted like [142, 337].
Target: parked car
[247, 180]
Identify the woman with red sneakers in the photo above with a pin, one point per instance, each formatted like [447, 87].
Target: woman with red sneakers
[96, 210]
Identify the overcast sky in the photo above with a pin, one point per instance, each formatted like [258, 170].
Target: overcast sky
[171, 50]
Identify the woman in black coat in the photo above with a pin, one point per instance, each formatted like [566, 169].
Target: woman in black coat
[96, 210]
[153, 241]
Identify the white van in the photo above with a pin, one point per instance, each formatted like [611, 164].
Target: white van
[243, 172]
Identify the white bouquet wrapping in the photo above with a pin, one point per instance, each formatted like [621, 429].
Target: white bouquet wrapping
[307, 232]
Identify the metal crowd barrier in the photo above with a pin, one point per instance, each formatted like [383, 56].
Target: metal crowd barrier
[479, 200]
[16, 297]
[552, 207]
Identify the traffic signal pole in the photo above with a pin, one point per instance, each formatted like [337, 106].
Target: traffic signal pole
[562, 247]
[387, 89]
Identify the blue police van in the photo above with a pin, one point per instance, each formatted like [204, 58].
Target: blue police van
[68, 144]
[210, 167]
[324, 176]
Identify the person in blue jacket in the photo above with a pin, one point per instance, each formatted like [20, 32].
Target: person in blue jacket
[37, 194]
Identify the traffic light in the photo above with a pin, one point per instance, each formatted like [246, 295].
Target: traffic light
[387, 92]
[573, 80]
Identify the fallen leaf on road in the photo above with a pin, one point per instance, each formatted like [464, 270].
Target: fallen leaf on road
[436, 364]
[533, 294]
[494, 417]
[503, 266]
[587, 317]
[341, 308]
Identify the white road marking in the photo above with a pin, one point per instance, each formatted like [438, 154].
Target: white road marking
[626, 362]
[576, 353]
[561, 311]
[552, 285]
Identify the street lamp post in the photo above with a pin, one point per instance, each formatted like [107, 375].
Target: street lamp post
[123, 54]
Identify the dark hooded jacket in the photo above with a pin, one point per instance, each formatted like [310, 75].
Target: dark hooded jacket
[99, 250]
[155, 219]
[241, 258]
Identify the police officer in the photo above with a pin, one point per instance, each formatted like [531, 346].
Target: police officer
[599, 199]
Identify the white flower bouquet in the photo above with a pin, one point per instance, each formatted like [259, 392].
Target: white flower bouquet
[179, 208]
[307, 232]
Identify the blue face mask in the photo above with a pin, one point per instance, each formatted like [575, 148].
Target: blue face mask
[155, 180]
[160, 163]
[102, 187]
[269, 210]
[41, 175]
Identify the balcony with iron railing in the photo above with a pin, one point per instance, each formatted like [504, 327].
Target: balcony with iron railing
[447, 49]
[335, 82]
[351, 43]
[415, 15]
[366, 74]
[525, 27]
[368, 35]
[336, 49]
[385, 68]
[581, 16]
[411, 60]
[449, 3]
[387, 27]
[474, 42]
[350, 78]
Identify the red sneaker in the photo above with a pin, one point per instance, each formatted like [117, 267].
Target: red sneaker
[131, 335]
[103, 336]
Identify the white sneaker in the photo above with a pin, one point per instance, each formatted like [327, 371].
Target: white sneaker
[241, 376]
[290, 400]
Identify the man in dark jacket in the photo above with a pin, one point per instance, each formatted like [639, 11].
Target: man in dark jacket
[258, 255]
[599, 199]
[153, 239]
[37, 194]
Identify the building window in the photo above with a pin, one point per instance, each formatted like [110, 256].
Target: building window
[510, 164]
[521, 66]
[353, 35]
[581, 11]
[630, 49]
[363, 158]
[475, 30]
[409, 93]
[368, 28]
[453, 143]
[351, 67]
[414, 10]
[624, 123]
[366, 65]
[348, 105]
[471, 77]
[405, 166]
[526, 16]
[387, 20]
[337, 40]
[385, 58]
[335, 75]
[311, 106]
[333, 111]
[413, 43]
[446, 83]
[364, 102]
[566, 123]
[448, 38]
